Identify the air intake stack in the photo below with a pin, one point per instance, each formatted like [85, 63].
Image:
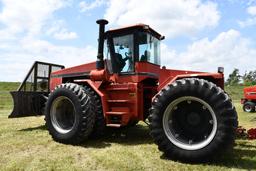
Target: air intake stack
[100, 62]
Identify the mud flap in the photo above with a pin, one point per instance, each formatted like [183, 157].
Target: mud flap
[27, 103]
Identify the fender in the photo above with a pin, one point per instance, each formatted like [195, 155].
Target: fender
[216, 78]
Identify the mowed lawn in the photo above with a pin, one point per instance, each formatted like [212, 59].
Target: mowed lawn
[26, 145]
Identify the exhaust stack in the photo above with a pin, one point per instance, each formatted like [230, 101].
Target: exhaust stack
[100, 62]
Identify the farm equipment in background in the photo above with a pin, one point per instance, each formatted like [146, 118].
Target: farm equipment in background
[249, 100]
[250, 134]
[249, 104]
[190, 116]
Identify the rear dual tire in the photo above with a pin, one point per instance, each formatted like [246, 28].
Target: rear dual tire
[192, 120]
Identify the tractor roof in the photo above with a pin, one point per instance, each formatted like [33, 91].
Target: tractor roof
[134, 28]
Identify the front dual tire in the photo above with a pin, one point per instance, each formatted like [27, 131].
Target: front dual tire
[69, 114]
[193, 120]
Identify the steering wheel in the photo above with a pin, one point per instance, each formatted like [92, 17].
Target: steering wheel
[127, 55]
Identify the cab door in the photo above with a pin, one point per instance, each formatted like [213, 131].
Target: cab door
[119, 51]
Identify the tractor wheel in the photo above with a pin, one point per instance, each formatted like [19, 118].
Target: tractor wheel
[69, 116]
[100, 124]
[249, 107]
[192, 120]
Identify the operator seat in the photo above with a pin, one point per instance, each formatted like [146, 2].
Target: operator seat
[120, 62]
[145, 56]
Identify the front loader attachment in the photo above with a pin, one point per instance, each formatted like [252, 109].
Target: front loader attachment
[31, 96]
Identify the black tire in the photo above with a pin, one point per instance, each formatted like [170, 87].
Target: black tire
[69, 117]
[249, 107]
[100, 124]
[216, 108]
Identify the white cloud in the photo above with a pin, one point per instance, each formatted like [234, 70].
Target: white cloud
[248, 22]
[229, 49]
[28, 16]
[58, 31]
[170, 17]
[67, 55]
[16, 63]
[32, 17]
[251, 21]
[251, 10]
[24, 23]
[65, 35]
[85, 6]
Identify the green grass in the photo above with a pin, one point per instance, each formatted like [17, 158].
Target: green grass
[236, 92]
[5, 96]
[9, 86]
[26, 145]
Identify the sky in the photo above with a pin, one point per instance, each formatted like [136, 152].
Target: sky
[199, 35]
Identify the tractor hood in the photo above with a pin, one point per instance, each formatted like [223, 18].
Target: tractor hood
[76, 71]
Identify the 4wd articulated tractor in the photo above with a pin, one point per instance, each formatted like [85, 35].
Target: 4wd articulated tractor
[190, 116]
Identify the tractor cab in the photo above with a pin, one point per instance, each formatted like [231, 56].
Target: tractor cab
[126, 46]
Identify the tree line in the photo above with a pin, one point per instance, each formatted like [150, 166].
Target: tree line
[247, 79]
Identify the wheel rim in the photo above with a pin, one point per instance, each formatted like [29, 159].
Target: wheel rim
[189, 123]
[62, 114]
[248, 108]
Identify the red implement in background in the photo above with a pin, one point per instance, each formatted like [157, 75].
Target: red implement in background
[241, 132]
[249, 99]
[251, 133]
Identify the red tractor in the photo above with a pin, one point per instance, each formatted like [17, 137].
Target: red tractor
[190, 116]
[249, 100]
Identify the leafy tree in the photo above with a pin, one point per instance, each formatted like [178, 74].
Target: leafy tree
[249, 78]
[234, 78]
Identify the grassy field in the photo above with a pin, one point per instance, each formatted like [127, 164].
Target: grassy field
[26, 145]
[236, 92]
[5, 97]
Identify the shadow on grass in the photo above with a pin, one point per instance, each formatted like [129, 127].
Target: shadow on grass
[138, 134]
[242, 157]
[41, 127]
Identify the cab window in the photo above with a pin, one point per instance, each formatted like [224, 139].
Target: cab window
[108, 58]
[123, 57]
[149, 48]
